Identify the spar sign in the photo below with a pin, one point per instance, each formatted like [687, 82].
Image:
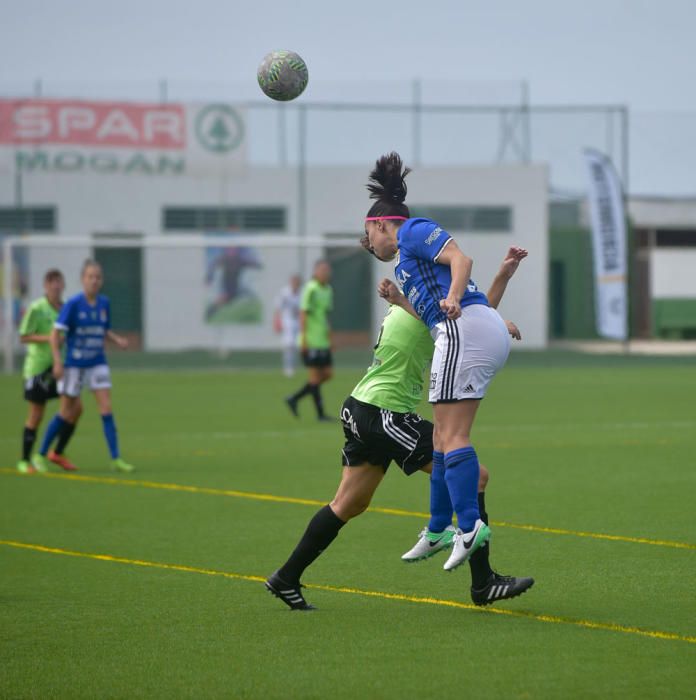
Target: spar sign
[132, 138]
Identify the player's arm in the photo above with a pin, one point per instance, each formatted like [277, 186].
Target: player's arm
[34, 338]
[511, 262]
[303, 330]
[27, 329]
[513, 330]
[460, 266]
[118, 339]
[389, 291]
[55, 340]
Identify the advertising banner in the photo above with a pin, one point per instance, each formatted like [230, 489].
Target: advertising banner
[608, 245]
[128, 138]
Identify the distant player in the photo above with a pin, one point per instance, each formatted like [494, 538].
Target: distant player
[315, 337]
[85, 319]
[379, 426]
[286, 321]
[39, 383]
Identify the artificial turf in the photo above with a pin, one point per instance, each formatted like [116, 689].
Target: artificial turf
[576, 447]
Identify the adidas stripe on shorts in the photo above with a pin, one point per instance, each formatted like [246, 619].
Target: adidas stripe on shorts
[468, 353]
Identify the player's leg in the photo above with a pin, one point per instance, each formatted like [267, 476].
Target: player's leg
[358, 485]
[325, 372]
[67, 408]
[31, 425]
[488, 586]
[71, 415]
[100, 383]
[310, 361]
[454, 421]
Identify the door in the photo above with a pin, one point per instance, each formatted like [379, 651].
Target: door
[123, 284]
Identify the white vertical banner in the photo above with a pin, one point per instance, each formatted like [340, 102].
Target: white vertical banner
[608, 246]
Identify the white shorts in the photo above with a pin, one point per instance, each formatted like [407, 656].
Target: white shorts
[468, 353]
[74, 378]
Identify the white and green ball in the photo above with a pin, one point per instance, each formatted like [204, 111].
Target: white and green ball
[283, 75]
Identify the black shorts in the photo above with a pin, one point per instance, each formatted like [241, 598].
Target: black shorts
[41, 387]
[378, 436]
[317, 358]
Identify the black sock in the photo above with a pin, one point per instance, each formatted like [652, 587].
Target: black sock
[316, 395]
[306, 389]
[478, 563]
[64, 437]
[482, 506]
[320, 533]
[28, 440]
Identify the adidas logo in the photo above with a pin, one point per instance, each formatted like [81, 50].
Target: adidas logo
[469, 389]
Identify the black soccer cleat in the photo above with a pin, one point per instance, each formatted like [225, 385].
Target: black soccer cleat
[290, 594]
[292, 405]
[500, 587]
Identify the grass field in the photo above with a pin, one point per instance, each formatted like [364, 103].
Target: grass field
[150, 585]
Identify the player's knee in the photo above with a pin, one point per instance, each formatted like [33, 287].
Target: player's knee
[348, 508]
[483, 478]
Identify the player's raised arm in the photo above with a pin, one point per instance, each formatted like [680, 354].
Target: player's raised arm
[511, 262]
[391, 293]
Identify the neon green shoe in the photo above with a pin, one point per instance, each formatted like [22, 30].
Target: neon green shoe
[40, 463]
[24, 467]
[120, 466]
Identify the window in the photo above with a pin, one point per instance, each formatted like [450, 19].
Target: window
[22, 219]
[474, 219]
[675, 238]
[224, 219]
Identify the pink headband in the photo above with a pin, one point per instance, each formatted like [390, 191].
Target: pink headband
[379, 218]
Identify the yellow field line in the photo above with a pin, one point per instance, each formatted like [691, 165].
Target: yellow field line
[250, 495]
[554, 619]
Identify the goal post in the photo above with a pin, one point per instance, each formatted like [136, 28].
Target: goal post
[213, 292]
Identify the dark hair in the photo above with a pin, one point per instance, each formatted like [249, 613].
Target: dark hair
[388, 187]
[53, 274]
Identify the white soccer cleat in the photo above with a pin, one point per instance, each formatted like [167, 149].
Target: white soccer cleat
[430, 543]
[466, 543]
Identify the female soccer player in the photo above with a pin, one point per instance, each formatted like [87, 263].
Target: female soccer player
[39, 383]
[86, 321]
[471, 340]
[379, 426]
[315, 337]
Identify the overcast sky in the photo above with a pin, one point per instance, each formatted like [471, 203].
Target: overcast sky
[639, 52]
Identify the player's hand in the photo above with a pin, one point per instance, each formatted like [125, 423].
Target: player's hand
[389, 291]
[57, 370]
[121, 342]
[512, 260]
[451, 307]
[513, 330]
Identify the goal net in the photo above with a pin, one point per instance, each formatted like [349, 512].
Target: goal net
[196, 300]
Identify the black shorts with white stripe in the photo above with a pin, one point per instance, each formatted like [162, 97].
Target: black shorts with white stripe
[377, 436]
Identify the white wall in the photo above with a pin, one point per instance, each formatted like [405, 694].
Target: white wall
[174, 290]
[673, 273]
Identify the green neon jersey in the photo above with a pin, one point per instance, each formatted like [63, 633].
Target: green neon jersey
[38, 320]
[403, 354]
[316, 302]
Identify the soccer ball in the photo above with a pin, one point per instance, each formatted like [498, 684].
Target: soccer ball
[283, 75]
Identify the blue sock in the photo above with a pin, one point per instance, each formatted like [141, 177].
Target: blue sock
[440, 503]
[110, 435]
[462, 476]
[54, 427]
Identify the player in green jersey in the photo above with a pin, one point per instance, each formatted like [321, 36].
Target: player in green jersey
[379, 426]
[315, 337]
[39, 383]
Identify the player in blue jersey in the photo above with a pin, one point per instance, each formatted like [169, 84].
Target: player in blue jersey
[85, 319]
[471, 340]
